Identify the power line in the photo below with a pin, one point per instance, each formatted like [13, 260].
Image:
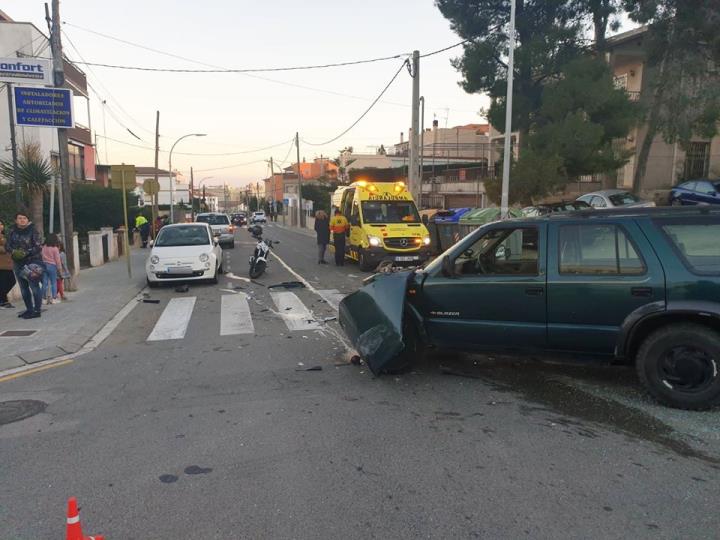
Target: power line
[252, 151]
[463, 42]
[120, 107]
[259, 77]
[225, 70]
[231, 166]
[405, 63]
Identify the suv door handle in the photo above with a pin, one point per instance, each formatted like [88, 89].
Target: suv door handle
[534, 291]
[643, 292]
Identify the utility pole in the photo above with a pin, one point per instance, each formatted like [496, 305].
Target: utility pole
[13, 144]
[225, 201]
[273, 208]
[414, 172]
[504, 199]
[155, 210]
[57, 54]
[299, 190]
[192, 195]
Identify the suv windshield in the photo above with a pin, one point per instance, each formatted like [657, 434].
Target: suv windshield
[390, 212]
[213, 219]
[187, 235]
[621, 199]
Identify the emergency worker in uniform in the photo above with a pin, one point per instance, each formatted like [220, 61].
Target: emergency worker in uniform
[339, 227]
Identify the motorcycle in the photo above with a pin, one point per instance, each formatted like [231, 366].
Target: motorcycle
[259, 259]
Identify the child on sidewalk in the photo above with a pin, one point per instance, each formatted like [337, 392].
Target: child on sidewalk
[53, 263]
[63, 272]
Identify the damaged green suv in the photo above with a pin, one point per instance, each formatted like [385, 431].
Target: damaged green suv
[639, 285]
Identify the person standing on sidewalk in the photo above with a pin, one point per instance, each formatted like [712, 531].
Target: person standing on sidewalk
[322, 230]
[23, 244]
[53, 266]
[63, 272]
[7, 278]
[339, 226]
[143, 225]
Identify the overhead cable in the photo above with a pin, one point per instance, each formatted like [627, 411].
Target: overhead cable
[230, 166]
[366, 110]
[196, 153]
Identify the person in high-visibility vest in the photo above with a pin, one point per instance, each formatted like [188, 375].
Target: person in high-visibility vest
[339, 227]
[143, 225]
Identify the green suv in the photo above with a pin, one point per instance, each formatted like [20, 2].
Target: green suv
[641, 285]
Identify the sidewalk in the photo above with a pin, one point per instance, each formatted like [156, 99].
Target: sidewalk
[64, 328]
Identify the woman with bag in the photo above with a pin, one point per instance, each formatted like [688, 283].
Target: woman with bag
[7, 278]
[23, 244]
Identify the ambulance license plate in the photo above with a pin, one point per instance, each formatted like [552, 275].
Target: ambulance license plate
[407, 258]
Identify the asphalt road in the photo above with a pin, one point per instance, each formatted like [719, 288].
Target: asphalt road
[195, 419]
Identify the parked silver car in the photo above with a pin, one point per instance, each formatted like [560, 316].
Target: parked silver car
[614, 198]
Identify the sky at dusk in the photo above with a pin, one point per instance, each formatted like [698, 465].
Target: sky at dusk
[242, 112]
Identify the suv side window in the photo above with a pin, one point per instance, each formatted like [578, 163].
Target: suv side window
[696, 241]
[501, 252]
[598, 250]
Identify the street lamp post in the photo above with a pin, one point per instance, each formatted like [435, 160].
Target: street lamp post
[172, 184]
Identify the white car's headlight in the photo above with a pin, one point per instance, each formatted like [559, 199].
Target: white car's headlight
[154, 259]
[374, 241]
[204, 257]
[426, 240]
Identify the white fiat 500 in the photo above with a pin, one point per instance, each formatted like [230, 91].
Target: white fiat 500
[184, 252]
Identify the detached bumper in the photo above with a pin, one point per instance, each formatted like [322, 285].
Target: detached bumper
[372, 318]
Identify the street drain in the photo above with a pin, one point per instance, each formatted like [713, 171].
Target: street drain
[20, 409]
[17, 333]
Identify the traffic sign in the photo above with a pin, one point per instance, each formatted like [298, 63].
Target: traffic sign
[151, 186]
[116, 177]
[43, 107]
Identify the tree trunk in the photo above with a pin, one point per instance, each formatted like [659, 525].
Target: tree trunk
[654, 116]
[36, 211]
[644, 154]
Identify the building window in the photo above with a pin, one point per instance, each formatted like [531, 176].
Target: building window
[697, 160]
[621, 81]
[76, 162]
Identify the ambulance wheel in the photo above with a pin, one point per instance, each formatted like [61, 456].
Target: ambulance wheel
[365, 266]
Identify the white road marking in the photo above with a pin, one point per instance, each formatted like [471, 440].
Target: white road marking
[328, 328]
[332, 297]
[235, 315]
[174, 320]
[233, 276]
[294, 312]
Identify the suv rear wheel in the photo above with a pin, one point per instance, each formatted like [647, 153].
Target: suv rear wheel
[679, 366]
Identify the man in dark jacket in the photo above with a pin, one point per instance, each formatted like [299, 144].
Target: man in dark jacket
[322, 229]
[23, 245]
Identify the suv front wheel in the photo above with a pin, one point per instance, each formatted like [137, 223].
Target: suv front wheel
[678, 364]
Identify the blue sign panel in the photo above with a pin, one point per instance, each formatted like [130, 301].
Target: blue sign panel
[47, 107]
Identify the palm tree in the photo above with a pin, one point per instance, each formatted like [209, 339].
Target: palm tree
[34, 173]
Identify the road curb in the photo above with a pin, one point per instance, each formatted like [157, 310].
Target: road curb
[64, 358]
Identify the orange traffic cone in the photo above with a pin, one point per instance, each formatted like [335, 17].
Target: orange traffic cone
[74, 528]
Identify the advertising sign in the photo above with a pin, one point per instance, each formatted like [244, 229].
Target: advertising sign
[44, 107]
[26, 71]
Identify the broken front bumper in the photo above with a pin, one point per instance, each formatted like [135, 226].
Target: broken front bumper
[372, 318]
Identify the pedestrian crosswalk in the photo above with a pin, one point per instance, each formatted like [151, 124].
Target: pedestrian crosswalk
[174, 320]
[236, 316]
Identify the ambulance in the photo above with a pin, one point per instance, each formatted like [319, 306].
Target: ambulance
[384, 224]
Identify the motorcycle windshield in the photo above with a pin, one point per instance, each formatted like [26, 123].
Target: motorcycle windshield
[372, 318]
